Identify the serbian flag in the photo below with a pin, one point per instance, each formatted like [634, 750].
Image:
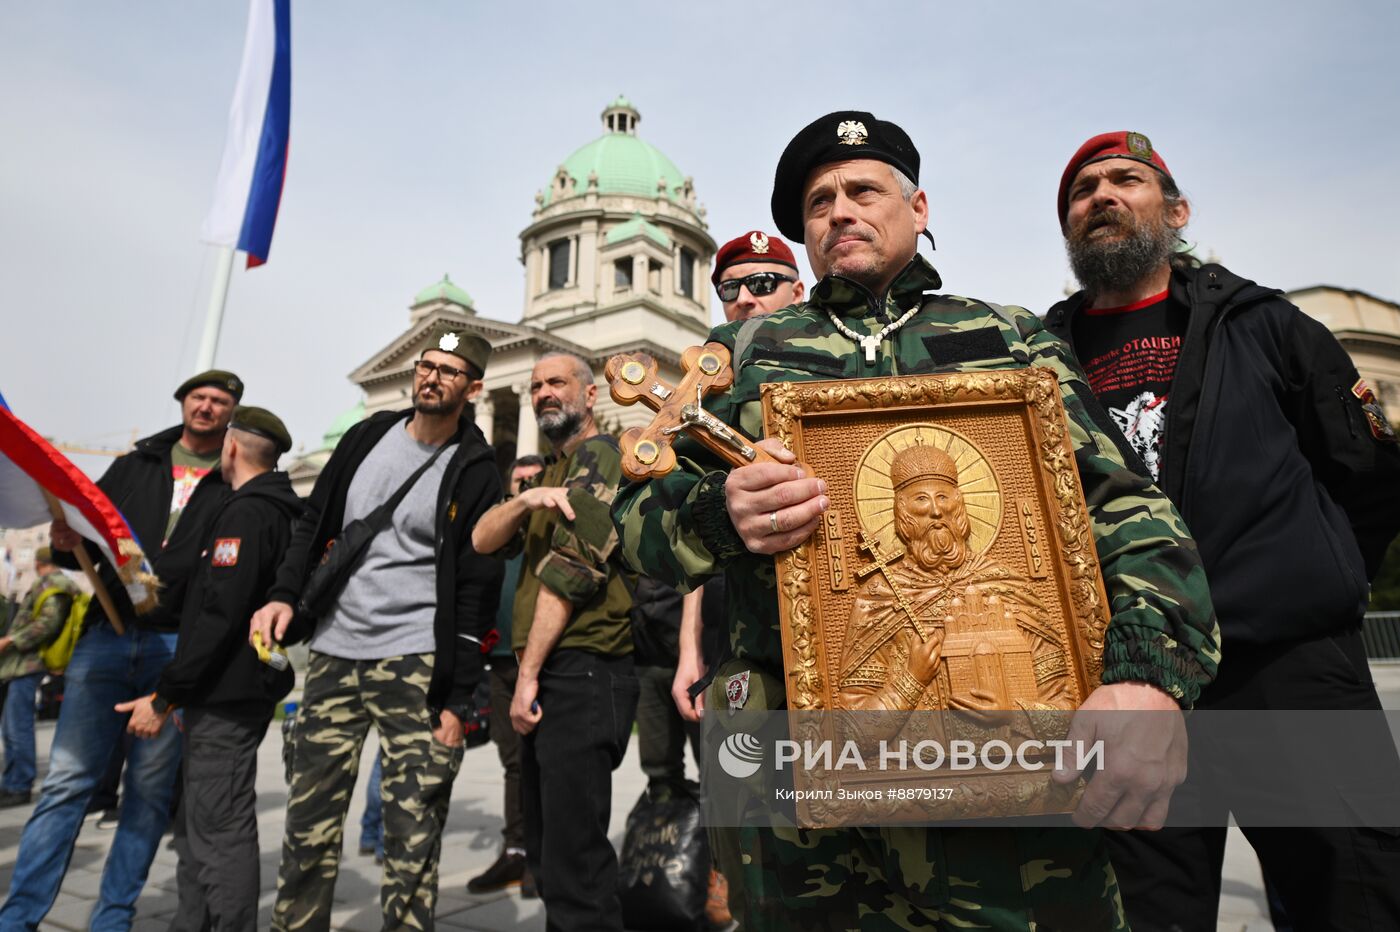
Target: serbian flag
[32, 471]
[249, 188]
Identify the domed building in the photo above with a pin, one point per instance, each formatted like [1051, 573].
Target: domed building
[617, 259]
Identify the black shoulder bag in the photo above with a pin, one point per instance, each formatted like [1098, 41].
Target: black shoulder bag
[345, 550]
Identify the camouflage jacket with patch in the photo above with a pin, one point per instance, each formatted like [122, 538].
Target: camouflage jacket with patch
[1162, 630]
[577, 559]
[32, 630]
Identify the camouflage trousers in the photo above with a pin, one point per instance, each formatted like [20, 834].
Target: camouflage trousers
[341, 701]
[877, 879]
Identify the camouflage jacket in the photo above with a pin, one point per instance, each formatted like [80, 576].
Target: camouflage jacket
[32, 630]
[577, 559]
[1162, 629]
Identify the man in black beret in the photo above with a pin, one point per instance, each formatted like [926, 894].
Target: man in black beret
[847, 187]
[397, 643]
[227, 694]
[167, 488]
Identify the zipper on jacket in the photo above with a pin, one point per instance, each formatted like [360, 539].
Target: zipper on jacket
[1346, 411]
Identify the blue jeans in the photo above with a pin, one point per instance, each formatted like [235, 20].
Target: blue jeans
[372, 822]
[106, 669]
[17, 727]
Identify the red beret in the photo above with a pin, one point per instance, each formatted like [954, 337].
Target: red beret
[753, 246]
[1120, 145]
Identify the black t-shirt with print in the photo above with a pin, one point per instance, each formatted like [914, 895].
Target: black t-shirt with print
[1129, 354]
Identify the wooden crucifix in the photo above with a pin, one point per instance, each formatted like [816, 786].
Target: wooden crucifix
[646, 451]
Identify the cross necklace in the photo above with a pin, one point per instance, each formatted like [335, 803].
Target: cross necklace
[872, 342]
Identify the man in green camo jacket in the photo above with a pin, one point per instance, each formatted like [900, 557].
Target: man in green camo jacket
[847, 187]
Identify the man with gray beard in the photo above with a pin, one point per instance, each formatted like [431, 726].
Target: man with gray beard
[575, 691]
[1253, 420]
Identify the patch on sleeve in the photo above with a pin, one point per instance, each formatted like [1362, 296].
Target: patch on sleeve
[1375, 414]
[226, 551]
[736, 690]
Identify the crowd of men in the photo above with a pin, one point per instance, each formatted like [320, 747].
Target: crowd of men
[1243, 485]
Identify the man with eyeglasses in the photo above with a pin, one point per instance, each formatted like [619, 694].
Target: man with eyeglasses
[399, 648]
[755, 274]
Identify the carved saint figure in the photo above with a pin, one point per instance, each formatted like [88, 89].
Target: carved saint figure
[938, 625]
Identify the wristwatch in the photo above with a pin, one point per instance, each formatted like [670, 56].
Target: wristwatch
[160, 704]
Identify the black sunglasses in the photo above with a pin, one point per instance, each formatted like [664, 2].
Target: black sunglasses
[759, 284]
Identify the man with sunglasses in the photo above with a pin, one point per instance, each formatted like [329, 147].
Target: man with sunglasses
[399, 647]
[755, 274]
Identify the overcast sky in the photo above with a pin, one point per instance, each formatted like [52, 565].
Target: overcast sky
[421, 131]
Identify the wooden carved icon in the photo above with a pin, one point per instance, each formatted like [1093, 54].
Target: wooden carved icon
[955, 574]
[646, 451]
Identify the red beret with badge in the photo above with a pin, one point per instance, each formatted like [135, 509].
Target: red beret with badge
[1120, 145]
[753, 246]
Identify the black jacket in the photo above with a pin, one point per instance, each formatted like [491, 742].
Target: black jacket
[1269, 457]
[140, 484]
[214, 665]
[468, 583]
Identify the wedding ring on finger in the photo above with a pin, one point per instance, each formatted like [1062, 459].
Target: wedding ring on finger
[773, 522]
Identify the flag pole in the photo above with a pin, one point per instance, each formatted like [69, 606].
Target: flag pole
[85, 561]
[214, 317]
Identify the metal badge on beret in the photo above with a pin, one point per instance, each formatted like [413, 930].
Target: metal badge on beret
[759, 242]
[852, 133]
[1139, 145]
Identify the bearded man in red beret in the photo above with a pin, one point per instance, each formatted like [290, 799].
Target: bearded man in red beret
[1252, 419]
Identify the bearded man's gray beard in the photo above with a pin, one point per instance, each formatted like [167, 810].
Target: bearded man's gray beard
[1117, 264]
[559, 424]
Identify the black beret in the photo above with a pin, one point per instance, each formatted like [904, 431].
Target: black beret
[836, 137]
[264, 423]
[463, 344]
[219, 378]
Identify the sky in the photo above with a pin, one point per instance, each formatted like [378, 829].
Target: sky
[422, 130]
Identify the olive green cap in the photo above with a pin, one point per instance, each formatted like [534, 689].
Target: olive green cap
[464, 344]
[264, 423]
[219, 378]
[43, 555]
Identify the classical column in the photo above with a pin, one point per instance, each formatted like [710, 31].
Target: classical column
[527, 436]
[485, 414]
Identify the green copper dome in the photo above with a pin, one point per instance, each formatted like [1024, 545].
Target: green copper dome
[444, 290]
[343, 423]
[624, 163]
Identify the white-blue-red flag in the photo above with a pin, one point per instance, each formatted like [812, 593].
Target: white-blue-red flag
[30, 467]
[249, 188]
